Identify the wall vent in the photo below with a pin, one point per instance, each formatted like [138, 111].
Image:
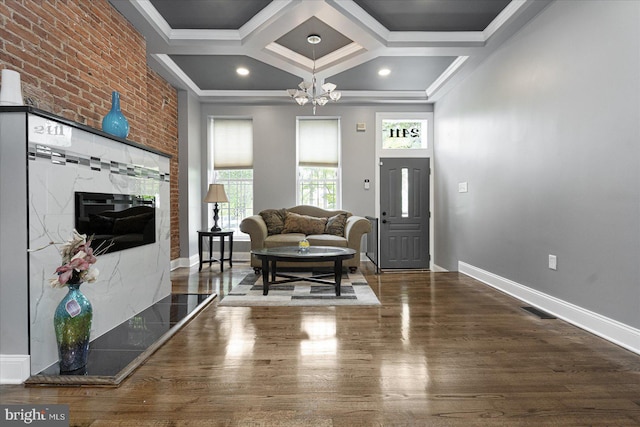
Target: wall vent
[541, 314]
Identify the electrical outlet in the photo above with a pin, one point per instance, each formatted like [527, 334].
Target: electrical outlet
[462, 187]
[553, 262]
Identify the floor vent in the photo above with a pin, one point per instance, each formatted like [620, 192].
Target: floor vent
[541, 314]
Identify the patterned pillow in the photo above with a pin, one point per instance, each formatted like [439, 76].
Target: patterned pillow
[294, 223]
[336, 224]
[274, 218]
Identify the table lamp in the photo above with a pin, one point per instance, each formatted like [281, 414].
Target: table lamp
[215, 195]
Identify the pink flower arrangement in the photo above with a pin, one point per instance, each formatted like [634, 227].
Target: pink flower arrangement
[77, 262]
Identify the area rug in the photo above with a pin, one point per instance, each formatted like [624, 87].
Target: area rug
[354, 291]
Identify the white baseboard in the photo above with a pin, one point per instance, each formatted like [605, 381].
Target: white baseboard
[14, 368]
[437, 269]
[609, 329]
[242, 256]
[184, 262]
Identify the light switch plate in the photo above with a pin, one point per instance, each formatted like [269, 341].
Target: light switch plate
[553, 262]
[462, 187]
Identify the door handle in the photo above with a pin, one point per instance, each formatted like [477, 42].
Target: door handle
[384, 221]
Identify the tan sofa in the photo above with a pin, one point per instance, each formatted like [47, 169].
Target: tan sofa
[287, 227]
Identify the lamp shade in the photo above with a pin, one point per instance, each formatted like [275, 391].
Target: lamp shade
[216, 194]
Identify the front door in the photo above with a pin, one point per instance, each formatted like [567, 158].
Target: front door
[404, 213]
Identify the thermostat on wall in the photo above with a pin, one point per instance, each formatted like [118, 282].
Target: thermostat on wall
[361, 127]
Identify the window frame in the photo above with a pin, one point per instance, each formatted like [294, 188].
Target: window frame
[212, 175]
[338, 179]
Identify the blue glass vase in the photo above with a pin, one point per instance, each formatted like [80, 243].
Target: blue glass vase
[72, 323]
[115, 122]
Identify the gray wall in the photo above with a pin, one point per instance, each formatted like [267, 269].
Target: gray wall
[547, 134]
[14, 272]
[190, 178]
[274, 145]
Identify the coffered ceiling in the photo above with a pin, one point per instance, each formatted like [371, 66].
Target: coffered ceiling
[427, 46]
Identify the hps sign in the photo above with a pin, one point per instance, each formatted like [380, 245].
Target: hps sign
[413, 132]
[404, 134]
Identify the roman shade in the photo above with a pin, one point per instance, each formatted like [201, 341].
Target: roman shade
[318, 142]
[232, 143]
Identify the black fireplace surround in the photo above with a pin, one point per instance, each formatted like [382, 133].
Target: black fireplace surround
[116, 221]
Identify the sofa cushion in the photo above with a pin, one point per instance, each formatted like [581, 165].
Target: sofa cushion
[327, 240]
[274, 219]
[278, 240]
[294, 223]
[336, 224]
[132, 224]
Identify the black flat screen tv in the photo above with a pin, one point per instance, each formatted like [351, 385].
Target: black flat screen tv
[116, 221]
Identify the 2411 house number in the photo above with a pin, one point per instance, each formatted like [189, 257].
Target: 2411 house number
[404, 133]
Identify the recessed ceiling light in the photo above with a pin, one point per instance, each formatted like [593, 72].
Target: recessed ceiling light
[242, 71]
[384, 72]
[314, 39]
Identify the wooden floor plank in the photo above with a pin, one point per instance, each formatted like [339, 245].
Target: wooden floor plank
[441, 350]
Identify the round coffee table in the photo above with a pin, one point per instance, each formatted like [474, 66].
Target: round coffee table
[270, 257]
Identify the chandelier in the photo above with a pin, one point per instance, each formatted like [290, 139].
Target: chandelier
[307, 91]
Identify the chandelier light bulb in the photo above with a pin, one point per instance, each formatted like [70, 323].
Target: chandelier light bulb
[328, 87]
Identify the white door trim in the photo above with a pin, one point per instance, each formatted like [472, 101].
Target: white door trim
[428, 152]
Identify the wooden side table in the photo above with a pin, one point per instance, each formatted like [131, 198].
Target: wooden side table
[222, 234]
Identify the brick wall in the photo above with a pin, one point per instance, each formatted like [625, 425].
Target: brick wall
[72, 54]
[162, 133]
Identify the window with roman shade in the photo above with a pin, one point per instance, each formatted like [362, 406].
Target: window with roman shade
[318, 141]
[232, 152]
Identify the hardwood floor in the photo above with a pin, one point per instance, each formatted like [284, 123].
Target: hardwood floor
[441, 350]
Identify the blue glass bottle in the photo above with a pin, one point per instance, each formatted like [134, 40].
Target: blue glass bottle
[115, 122]
[72, 323]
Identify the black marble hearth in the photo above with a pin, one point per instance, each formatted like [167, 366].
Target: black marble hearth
[115, 354]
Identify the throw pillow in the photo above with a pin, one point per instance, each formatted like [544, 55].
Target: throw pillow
[274, 218]
[336, 224]
[305, 224]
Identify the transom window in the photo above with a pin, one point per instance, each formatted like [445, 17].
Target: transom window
[404, 134]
